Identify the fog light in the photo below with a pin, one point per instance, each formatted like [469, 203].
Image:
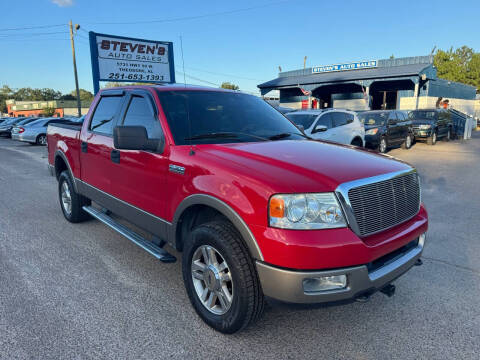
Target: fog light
[421, 239]
[325, 283]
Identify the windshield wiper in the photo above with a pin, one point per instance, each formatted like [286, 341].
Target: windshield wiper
[286, 134]
[222, 135]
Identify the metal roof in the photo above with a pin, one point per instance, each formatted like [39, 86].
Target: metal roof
[337, 76]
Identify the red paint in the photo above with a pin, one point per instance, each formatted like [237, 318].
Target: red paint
[245, 176]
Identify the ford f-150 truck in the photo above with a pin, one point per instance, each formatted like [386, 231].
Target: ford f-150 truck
[255, 206]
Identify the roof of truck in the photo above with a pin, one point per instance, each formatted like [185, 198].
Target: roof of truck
[171, 87]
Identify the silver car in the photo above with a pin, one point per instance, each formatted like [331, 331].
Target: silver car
[34, 132]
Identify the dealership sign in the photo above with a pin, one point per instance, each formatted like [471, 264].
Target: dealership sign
[117, 58]
[343, 67]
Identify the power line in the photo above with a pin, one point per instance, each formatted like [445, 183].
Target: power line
[34, 34]
[193, 17]
[223, 74]
[197, 79]
[33, 27]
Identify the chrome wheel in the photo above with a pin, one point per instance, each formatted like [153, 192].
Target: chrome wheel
[383, 146]
[408, 142]
[434, 138]
[42, 140]
[212, 279]
[66, 198]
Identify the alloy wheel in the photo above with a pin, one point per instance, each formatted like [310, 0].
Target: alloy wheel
[212, 279]
[66, 198]
[383, 146]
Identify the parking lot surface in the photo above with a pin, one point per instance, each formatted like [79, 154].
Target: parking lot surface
[81, 291]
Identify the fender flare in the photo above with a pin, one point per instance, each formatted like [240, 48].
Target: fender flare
[225, 210]
[61, 154]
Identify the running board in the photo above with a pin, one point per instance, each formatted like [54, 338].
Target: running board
[137, 239]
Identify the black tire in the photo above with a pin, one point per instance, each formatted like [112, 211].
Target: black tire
[448, 136]
[41, 139]
[247, 302]
[76, 213]
[432, 140]
[407, 144]
[383, 145]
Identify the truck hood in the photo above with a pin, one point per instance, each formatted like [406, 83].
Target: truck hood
[302, 165]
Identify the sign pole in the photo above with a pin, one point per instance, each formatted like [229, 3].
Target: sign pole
[79, 106]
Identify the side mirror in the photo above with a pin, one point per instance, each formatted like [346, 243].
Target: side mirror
[134, 138]
[319, 128]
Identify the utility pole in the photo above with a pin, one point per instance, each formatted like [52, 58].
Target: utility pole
[79, 105]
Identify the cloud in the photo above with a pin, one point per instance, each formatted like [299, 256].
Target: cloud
[63, 3]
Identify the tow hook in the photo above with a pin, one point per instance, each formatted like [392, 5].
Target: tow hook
[419, 262]
[363, 298]
[388, 290]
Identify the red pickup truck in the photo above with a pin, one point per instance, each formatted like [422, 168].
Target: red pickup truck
[256, 207]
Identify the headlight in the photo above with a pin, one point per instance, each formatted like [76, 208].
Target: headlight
[305, 211]
[371, 131]
[426, 126]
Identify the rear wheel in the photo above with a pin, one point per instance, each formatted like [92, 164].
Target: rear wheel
[382, 146]
[448, 136]
[41, 139]
[220, 278]
[432, 140]
[70, 201]
[407, 144]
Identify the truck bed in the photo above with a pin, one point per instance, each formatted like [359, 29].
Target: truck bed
[66, 138]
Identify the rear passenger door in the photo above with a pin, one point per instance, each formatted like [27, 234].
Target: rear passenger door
[402, 125]
[140, 176]
[341, 132]
[392, 128]
[97, 141]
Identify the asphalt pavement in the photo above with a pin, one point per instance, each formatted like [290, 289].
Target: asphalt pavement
[81, 291]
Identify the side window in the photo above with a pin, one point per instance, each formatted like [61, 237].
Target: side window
[392, 118]
[400, 116]
[102, 120]
[339, 119]
[325, 120]
[140, 113]
[350, 118]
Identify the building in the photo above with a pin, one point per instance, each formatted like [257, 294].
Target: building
[403, 83]
[36, 108]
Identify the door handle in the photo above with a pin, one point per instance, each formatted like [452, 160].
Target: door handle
[84, 146]
[115, 156]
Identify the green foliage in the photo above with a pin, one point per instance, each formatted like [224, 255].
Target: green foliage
[48, 111]
[462, 65]
[229, 85]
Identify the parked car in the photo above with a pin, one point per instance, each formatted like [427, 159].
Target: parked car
[387, 128]
[6, 126]
[431, 125]
[336, 125]
[255, 206]
[35, 132]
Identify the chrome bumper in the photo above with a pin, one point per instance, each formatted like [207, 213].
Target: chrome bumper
[287, 285]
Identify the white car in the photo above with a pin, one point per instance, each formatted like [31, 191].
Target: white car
[337, 125]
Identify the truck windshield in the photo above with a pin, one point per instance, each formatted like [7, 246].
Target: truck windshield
[373, 118]
[214, 117]
[306, 120]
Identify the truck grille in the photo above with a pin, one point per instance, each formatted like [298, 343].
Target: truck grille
[382, 205]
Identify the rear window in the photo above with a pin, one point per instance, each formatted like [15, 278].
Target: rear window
[306, 120]
[104, 115]
[339, 119]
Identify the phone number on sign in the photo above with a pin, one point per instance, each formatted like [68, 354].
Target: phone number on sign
[121, 76]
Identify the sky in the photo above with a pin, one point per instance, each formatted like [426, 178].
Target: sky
[243, 42]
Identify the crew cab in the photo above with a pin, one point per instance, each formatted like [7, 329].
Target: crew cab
[257, 208]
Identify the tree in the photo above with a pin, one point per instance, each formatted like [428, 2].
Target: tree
[85, 95]
[462, 65]
[48, 111]
[5, 93]
[229, 85]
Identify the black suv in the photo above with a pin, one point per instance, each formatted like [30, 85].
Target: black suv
[387, 128]
[432, 124]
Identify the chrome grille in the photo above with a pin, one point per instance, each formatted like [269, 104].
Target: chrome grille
[381, 205]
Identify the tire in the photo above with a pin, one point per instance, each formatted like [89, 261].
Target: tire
[432, 140]
[383, 146]
[448, 137]
[41, 139]
[74, 212]
[247, 300]
[407, 144]
[357, 142]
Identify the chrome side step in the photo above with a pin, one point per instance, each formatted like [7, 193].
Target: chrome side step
[137, 239]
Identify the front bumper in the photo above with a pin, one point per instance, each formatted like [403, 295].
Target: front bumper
[422, 133]
[372, 141]
[287, 285]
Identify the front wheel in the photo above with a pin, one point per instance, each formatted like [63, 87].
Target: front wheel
[407, 144]
[220, 278]
[41, 139]
[382, 147]
[70, 201]
[448, 136]
[432, 140]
